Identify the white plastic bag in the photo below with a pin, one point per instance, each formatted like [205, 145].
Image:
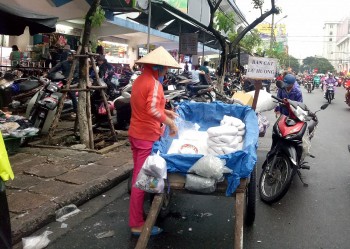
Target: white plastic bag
[265, 102]
[148, 183]
[210, 167]
[222, 130]
[155, 165]
[231, 121]
[36, 242]
[200, 184]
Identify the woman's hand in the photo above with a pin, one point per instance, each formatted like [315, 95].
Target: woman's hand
[172, 115]
[173, 130]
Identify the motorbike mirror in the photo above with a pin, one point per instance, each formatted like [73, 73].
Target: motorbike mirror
[279, 84]
[324, 106]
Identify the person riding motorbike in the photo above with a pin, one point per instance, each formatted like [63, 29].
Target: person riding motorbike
[329, 80]
[291, 91]
[316, 81]
[147, 118]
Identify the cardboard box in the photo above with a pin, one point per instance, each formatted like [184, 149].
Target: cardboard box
[243, 98]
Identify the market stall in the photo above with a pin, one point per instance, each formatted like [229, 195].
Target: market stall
[199, 124]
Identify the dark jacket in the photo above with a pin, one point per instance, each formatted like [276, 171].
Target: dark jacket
[65, 67]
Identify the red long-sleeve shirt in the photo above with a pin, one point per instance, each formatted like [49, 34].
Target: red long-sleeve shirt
[147, 106]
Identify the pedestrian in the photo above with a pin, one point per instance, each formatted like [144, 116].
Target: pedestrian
[66, 51]
[291, 91]
[105, 70]
[205, 78]
[148, 115]
[15, 56]
[65, 67]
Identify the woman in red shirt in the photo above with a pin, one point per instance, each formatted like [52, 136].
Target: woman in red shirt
[148, 114]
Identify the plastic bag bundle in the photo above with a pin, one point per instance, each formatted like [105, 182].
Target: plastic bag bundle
[200, 184]
[263, 124]
[226, 139]
[149, 184]
[155, 166]
[210, 167]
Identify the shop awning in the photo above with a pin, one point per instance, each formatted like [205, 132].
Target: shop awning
[15, 19]
[172, 21]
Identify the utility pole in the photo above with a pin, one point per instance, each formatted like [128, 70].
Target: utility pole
[272, 31]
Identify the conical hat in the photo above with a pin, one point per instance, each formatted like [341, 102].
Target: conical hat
[159, 56]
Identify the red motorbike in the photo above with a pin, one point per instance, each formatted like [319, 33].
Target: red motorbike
[290, 145]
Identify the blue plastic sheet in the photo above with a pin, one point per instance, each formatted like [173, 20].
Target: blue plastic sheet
[208, 115]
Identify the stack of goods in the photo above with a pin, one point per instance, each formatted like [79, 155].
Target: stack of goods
[205, 173]
[15, 126]
[226, 138]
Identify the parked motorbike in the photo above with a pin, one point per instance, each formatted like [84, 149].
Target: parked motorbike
[329, 96]
[16, 92]
[42, 107]
[291, 141]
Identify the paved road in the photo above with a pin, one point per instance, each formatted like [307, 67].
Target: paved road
[310, 218]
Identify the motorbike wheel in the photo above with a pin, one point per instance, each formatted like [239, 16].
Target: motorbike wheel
[273, 186]
[329, 98]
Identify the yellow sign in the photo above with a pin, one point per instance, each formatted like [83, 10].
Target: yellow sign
[265, 29]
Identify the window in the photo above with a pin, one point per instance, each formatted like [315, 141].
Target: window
[330, 39]
[331, 26]
[331, 33]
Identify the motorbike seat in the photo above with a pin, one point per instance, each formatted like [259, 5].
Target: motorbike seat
[28, 85]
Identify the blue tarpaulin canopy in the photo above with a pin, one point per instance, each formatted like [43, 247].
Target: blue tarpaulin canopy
[208, 115]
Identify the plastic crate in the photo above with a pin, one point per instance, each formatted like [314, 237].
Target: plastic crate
[12, 144]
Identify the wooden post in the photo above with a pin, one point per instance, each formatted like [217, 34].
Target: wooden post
[103, 95]
[88, 106]
[150, 221]
[258, 86]
[239, 214]
[63, 98]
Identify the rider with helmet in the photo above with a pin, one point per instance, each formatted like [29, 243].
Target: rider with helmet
[329, 80]
[291, 91]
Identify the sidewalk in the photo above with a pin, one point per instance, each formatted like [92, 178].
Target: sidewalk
[48, 179]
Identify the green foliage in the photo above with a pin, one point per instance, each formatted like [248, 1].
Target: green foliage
[257, 4]
[98, 17]
[224, 22]
[322, 64]
[251, 41]
[284, 59]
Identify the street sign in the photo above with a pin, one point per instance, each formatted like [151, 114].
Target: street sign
[261, 68]
[188, 43]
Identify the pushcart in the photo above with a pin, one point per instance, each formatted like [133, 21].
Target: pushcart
[241, 184]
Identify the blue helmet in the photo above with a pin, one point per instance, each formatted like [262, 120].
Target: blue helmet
[289, 79]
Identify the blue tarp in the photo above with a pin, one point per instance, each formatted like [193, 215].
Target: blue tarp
[208, 115]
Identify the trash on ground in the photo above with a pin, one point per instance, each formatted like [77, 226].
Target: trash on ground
[64, 225]
[105, 234]
[36, 242]
[190, 229]
[67, 211]
[206, 214]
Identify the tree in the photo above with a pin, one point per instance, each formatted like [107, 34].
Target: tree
[228, 48]
[322, 64]
[94, 17]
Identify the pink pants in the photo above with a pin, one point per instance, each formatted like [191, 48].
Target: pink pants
[141, 149]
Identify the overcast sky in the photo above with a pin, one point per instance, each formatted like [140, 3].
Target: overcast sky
[304, 23]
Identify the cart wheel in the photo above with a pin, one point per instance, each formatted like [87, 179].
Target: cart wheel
[165, 209]
[130, 182]
[249, 215]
